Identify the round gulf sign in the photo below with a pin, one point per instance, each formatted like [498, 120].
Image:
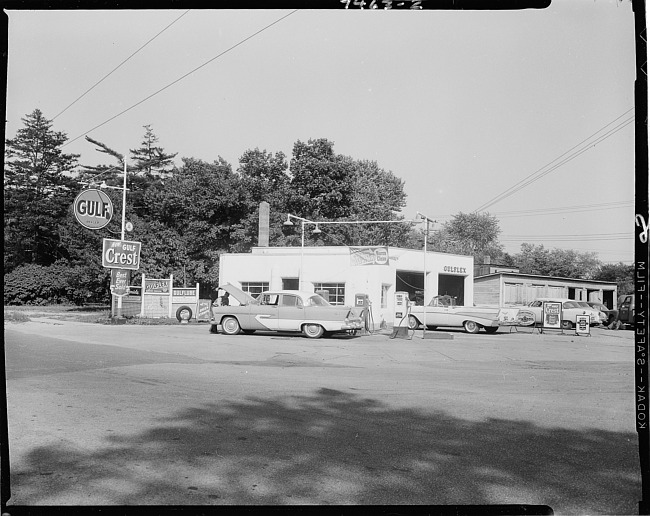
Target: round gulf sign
[93, 209]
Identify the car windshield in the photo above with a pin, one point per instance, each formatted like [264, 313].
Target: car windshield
[571, 304]
[583, 304]
[317, 300]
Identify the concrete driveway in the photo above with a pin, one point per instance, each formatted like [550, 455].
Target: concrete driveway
[129, 415]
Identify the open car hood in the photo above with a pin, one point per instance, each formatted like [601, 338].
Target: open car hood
[244, 298]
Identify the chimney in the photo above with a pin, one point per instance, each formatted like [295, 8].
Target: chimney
[263, 233]
[486, 260]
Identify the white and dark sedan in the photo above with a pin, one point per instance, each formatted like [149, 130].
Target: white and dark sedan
[282, 310]
[570, 310]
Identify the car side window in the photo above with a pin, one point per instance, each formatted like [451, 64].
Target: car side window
[536, 303]
[288, 300]
[269, 299]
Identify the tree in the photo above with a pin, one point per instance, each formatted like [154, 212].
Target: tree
[563, 263]
[321, 181]
[38, 190]
[622, 274]
[203, 204]
[150, 159]
[472, 234]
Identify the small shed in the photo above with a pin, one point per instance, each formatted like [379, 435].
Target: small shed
[511, 288]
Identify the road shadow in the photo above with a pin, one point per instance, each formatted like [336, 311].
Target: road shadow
[335, 447]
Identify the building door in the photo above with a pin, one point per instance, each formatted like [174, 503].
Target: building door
[454, 286]
[290, 283]
[411, 283]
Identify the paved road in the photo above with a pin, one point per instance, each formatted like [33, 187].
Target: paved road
[173, 415]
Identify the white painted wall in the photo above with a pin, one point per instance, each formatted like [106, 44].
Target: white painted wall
[333, 265]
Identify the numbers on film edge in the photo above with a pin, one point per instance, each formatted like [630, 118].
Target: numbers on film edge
[387, 4]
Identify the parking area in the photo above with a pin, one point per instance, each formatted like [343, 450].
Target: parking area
[136, 414]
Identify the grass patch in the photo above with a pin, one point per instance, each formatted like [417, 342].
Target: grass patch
[16, 316]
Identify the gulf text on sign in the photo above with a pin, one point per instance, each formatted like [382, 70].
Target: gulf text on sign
[121, 254]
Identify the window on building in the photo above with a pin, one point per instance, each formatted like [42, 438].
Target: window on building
[336, 290]
[255, 288]
[384, 295]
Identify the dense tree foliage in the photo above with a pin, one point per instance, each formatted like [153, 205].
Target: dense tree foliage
[37, 192]
[563, 263]
[472, 234]
[622, 274]
[187, 215]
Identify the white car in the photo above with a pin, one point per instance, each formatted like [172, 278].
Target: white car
[570, 309]
[282, 310]
[442, 312]
[600, 315]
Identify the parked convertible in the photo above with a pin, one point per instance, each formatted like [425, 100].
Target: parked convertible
[442, 312]
[282, 310]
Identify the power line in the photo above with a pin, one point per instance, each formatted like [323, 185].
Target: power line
[183, 76]
[565, 209]
[119, 65]
[531, 178]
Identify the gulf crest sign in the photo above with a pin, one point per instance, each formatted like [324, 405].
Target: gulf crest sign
[93, 209]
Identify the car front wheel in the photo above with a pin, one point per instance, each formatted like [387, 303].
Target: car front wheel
[567, 325]
[471, 327]
[313, 331]
[413, 322]
[230, 325]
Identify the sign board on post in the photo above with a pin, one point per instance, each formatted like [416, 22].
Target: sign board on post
[582, 325]
[121, 254]
[93, 209]
[120, 281]
[552, 315]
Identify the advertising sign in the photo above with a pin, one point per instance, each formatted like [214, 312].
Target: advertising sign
[203, 310]
[120, 282]
[93, 209]
[552, 315]
[121, 254]
[582, 325]
[156, 286]
[375, 255]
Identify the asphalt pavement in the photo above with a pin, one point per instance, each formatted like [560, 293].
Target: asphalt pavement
[172, 415]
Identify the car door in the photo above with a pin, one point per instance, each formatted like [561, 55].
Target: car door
[291, 312]
[624, 310]
[437, 313]
[265, 314]
[536, 308]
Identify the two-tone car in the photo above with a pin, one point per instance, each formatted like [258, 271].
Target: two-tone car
[282, 310]
[570, 310]
[441, 311]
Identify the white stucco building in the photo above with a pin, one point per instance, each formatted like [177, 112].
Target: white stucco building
[344, 272]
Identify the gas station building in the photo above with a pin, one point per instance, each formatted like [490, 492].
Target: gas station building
[344, 273]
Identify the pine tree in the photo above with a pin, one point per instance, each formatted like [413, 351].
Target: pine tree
[38, 192]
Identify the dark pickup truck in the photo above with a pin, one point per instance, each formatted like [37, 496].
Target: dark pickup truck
[626, 309]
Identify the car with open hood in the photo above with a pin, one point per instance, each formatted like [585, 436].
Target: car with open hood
[282, 310]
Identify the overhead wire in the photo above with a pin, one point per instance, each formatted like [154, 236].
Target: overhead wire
[183, 76]
[118, 66]
[541, 172]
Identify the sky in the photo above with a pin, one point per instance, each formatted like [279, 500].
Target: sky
[523, 114]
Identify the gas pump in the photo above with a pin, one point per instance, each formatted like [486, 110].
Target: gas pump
[402, 305]
[402, 308]
[362, 301]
